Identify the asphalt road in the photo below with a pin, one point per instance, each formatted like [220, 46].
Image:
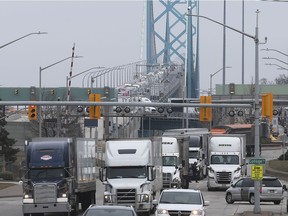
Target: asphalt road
[218, 205]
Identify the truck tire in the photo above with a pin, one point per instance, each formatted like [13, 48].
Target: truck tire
[26, 214]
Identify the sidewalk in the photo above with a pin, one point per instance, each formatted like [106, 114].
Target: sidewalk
[13, 191]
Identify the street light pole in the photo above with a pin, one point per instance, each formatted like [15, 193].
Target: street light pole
[257, 209]
[40, 89]
[211, 75]
[22, 38]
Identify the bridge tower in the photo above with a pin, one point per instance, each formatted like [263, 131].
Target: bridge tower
[166, 38]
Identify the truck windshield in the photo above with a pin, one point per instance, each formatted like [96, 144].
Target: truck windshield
[126, 172]
[224, 159]
[46, 173]
[193, 154]
[169, 160]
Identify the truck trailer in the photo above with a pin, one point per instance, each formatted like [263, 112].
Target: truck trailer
[132, 174]
[59, 175]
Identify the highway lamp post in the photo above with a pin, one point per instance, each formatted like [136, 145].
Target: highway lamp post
[257, 209]
[85, 71]
[275, 50]
[33, 33]
[279, 66]
[275, 59]
[211, 76]
[40, 89]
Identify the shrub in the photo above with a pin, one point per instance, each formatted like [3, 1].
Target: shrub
[6, 175]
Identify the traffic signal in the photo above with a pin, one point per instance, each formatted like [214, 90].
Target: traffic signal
[95, 111]
[32, 112]
[205, 112]
[267, 105]
[232, 88]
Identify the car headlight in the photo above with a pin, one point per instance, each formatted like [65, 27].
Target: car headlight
[162, 211]
[196, 212]
[145, 198]
[107, 199]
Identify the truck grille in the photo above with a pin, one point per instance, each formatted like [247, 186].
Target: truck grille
[126, 196]
[45, 193]
[167, 179]
[179, 213]
[224, 177]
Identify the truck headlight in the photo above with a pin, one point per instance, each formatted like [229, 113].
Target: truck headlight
[145, 198]
[27, 196]
[196, 212]
[162, 211]
[107, 199]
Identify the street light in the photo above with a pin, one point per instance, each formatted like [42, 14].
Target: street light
[22, 38]
[40, 89]
[279, 66]
[85, 71]
[257, 208]
[211, 75]
[267, 49]
[275, 59]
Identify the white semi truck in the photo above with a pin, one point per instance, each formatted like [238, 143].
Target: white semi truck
[226, 159]
[132, 174]
[171, 161]
[198, 146]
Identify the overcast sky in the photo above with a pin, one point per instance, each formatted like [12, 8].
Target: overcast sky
[108, 33]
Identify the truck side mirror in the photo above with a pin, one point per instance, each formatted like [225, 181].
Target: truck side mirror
[151, 173]
[102, 176]
[284, 187]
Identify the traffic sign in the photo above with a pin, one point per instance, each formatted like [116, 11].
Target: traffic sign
[259, 161]
[257, 172]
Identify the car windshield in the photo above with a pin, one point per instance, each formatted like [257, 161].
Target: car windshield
[126, 172]
[181, 198]
[46, 173]
[224, 159]
[169, 160]
[108, 212]
[193, 154]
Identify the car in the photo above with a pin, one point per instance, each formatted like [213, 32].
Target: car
[180, 202]
[104, 210]
[271, 190]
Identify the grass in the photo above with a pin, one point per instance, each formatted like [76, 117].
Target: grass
[5, 185]
[281, 165]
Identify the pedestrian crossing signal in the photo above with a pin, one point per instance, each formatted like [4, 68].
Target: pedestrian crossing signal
[32, 112]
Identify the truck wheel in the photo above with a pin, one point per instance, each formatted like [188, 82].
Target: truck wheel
[26, 214]
[252, 199]
[229, 199]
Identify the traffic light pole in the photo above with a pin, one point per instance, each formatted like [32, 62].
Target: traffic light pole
[257, 209]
